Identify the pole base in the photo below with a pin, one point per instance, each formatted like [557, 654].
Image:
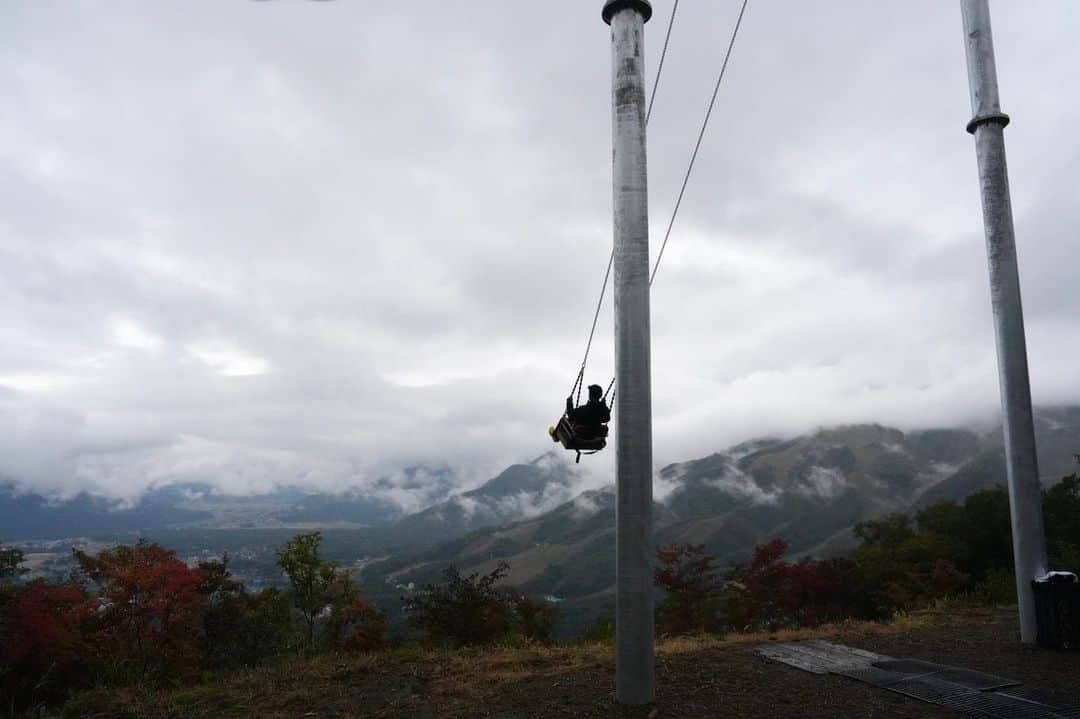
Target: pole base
[629, 711]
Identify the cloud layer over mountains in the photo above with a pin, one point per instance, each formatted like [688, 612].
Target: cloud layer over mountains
[313, 243]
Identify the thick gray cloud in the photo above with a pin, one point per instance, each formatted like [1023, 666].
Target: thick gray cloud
[287, 241]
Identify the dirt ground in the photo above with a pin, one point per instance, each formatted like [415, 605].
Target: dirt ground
[694, 678]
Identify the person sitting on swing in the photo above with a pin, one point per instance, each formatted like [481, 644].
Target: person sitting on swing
[591, 416]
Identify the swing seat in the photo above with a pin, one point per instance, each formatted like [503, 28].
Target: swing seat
[579, 437]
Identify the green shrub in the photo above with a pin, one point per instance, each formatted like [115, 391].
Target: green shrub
[535, 619]
[998, 589]
[99, 702]
[462, 610]
[248, 630]
[466, 610]
[602, 631]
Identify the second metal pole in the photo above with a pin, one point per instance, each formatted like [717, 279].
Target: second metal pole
[1025, 491]
[633, 435]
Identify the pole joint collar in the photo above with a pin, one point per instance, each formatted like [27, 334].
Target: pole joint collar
[999, 118]
[644, 7]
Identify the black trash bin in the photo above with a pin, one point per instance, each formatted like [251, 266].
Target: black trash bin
[1057, 607]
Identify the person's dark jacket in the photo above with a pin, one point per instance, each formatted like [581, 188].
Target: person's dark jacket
[589, 414]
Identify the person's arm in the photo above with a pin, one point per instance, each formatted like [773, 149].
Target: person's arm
[605, 413]
[569, 407]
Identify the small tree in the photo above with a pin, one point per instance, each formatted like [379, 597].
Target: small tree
[221, 593]
[772, 593]
[357, 625]
[462, 610]
[310, 578]
[691, 601]
[11, 560]
[45, 652]
[151, 608]
[240, 628]
[247, 629]
[601, 631]
[889, 530]
[1061, 507]
[216, 582]
[535, 619]
[354, 624]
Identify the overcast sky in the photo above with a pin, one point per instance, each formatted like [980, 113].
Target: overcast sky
[288, 241]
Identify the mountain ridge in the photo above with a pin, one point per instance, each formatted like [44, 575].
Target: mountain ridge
[872, 467]
[810, 490]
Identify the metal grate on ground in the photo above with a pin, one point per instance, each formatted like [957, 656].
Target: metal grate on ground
[977, 694]
[1066, 707]
[818, 656]
[873, 675]
[931, 689]
[968, 678]
[996, 705]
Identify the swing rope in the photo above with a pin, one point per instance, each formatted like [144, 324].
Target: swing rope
[579, 381]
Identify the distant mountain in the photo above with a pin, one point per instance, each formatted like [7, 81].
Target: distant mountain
[284, 506]
[807, 489]
[32, 516]
[388, 499]
[1057, 440]
[810, 490]
[521, 491]
[27, 515]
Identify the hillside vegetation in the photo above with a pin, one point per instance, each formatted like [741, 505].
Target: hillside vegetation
[137, 619]
[700, 676]
[812, 491]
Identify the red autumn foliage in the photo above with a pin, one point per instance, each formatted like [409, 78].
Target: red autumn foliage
[920, 586]
[686, 568]
[45, 644]
[772, 593]
[140, 614]
[151, 611]
[688, 577]
[947, 578]
[767, 554]
[363, 626]
[899, 596]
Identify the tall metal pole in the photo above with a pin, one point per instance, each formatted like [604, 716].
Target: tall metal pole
[633, 435]
[988, 125]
